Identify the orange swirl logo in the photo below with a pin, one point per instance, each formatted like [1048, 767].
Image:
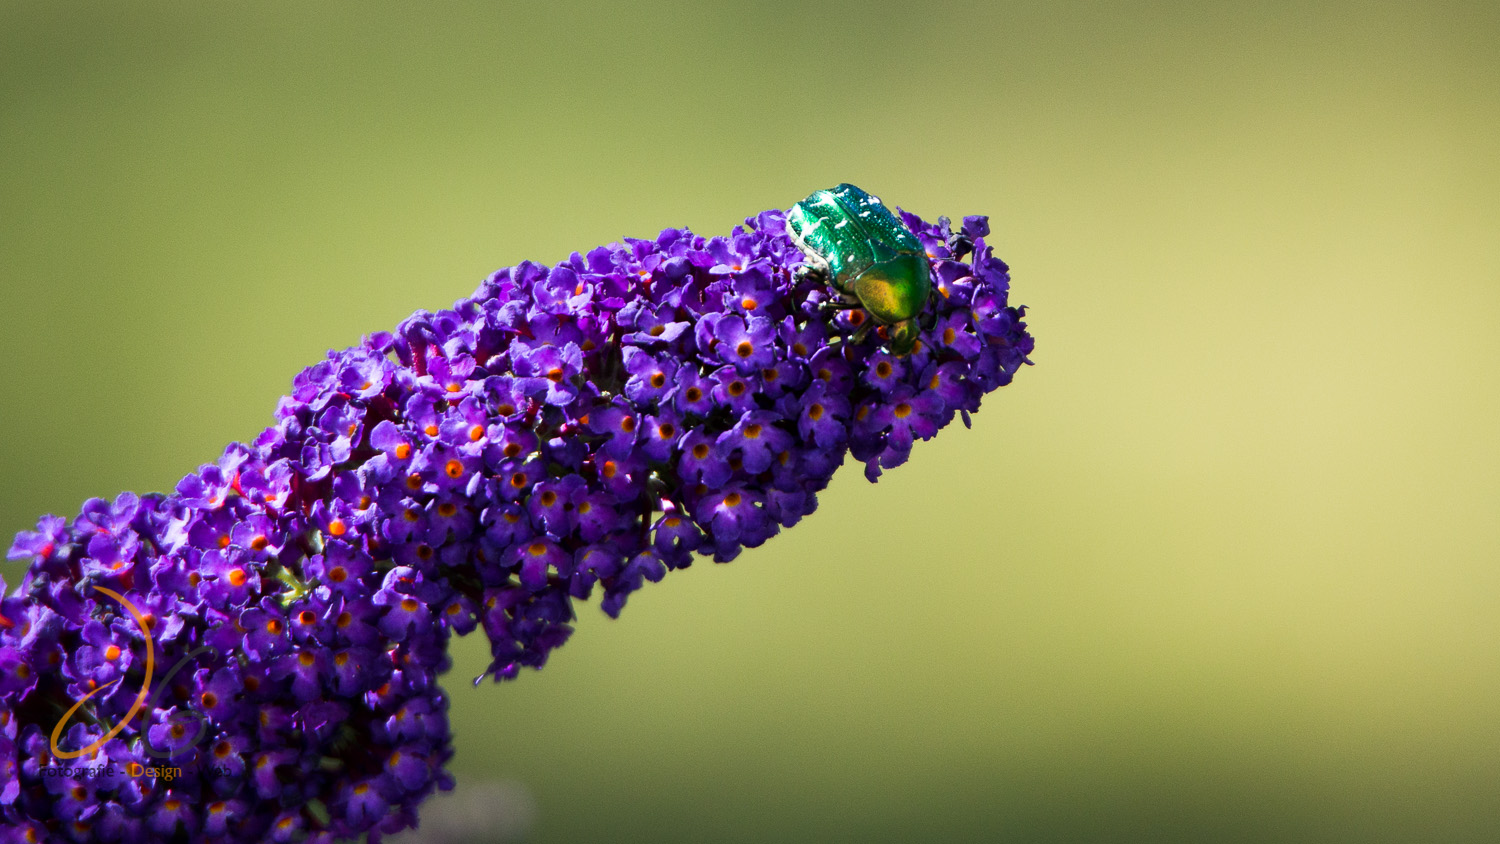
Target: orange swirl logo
[140, 699]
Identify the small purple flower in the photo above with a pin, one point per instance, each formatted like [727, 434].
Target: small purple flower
[535, 558]
[406, 597]
[692, 393]
[231, 578]
[735, 390]
[553, 370]
[704, 460]
[101, 659]
[17, 677]
[651, 379]
[823, 417]
[621, 425]
[756, 439]
[654, 326]
[746, 343]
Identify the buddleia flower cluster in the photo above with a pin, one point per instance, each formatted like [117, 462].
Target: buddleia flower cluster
[564, 431]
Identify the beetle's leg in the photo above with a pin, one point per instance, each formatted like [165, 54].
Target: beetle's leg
[844, 302]
[813, 270]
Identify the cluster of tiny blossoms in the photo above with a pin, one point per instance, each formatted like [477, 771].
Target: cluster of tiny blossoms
[589, 425]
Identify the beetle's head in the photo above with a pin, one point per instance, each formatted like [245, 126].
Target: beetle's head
[903, 336]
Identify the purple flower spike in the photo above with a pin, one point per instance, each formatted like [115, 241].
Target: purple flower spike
[583, 428]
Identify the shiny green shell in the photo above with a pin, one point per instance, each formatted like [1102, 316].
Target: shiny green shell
[868, 253]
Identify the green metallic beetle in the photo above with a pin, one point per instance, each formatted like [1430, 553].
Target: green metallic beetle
[869, 257]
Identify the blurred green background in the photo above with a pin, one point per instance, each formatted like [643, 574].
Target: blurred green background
[1221, 567]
